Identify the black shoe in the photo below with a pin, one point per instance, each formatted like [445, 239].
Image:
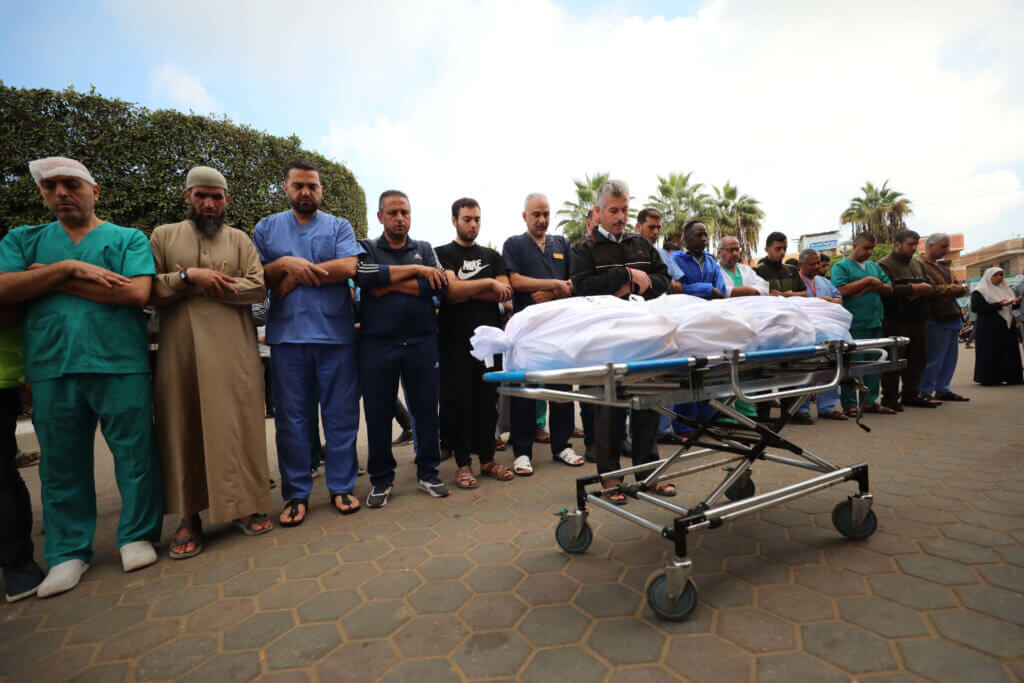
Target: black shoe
[378, 497]
[588, 455]
[435, 488]
[921, 402]
[22, 580]
[447, 453]
[801, 419]
[404, 437]
[893, 405]
[626, 449]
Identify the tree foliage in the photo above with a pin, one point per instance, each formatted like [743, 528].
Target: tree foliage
[140, 157]
[679, 202]
[879, 210]
[574, 223]
[738, 215]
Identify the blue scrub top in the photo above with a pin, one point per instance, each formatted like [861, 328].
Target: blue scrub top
[674, 271]
[522, 255]
[698, 280]
[309, 315]
[821, 288]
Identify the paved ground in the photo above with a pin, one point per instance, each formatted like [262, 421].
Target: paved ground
[474, 587]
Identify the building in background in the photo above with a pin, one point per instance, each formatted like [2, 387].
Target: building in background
[822, 242]
[1008, 255]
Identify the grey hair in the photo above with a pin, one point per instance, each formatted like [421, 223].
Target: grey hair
[935, 238]
[723, 238]
[534, 195]
[612, 188]
[806, 254]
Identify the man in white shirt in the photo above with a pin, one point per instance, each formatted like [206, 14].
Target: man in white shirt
[740, 279]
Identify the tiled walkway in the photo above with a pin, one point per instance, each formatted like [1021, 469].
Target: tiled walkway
[474, 587]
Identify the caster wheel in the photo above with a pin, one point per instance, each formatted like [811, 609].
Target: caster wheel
[842, 519]
[663, 607]
[737, 492]
[573, 546]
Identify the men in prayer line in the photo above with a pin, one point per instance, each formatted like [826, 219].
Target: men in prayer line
[818, 287]
[825, 265]
[906, 315]
[648, 226]
[701, 275]
[210, 430]
[308, 257]
[84, 282]
[398, 278]
[740, 279]
[862, 282]
[944, 321]
[612, 261]
[477, 283]
[782, 277]
[539, 267]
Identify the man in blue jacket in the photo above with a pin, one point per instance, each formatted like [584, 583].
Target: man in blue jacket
[399, 278]
[701, 274]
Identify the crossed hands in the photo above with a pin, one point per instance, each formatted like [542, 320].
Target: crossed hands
[561, 290]
[80, 270]
[213, 282]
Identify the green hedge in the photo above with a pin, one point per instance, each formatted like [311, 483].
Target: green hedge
[140, 157]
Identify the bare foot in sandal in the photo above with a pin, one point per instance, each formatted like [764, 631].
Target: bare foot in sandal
[496, 470]
[611, 492]
[464, 478]
[188, 539]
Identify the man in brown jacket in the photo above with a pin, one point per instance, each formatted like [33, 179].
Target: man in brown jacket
[944, 320]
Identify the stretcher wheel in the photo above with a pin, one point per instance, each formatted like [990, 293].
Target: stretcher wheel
[842, 519]
[573, 546]
[738, 492]
[666, 609]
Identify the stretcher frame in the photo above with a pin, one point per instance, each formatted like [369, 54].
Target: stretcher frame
[786, 375]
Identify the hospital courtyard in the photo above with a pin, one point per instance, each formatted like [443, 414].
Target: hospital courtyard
[475, 587]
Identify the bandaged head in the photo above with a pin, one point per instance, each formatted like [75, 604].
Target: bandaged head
[51, 167]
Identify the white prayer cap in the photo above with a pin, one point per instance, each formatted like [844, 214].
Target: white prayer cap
[50, 167]
[204, 176]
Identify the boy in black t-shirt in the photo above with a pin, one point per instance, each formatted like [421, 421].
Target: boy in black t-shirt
[476, 285]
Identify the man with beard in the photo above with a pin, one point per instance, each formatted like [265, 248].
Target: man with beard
[308, 257]
[648, 226]
[469, 405]
[84, 282]
[701, 275]
[740, 279]
[209, 427]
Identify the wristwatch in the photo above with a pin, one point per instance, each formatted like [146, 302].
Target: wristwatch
[184, 275]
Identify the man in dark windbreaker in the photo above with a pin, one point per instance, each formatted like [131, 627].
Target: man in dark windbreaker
[399, 278]
[613, 261]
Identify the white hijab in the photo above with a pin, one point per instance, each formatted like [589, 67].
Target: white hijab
[994, 293]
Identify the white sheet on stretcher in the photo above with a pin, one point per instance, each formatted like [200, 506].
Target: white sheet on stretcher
[702, 328]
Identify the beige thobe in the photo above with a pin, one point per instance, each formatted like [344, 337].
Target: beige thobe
[208, 381]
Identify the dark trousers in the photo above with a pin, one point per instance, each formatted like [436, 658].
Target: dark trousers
[469, 407]
[524, 424]
[268, 386]
[587, 419]
[916, 353]
[381, 364]
[608, 433]
[15, 506]
[402, 415]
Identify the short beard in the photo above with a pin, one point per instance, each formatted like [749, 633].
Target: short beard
[206, 225]
[307, 210]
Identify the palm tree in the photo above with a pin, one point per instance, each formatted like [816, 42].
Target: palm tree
[879, 210]
[738, 215]
[574, 225]
[679, 201]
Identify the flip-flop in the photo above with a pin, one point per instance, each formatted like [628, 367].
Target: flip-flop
[834, 415]
[522, 466]
[293, 507]
[248, 527]
[610, 491]
[346, 499]
[185, 540]
[659, 490]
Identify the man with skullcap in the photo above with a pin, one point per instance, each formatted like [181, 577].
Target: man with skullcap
[83, 282]
[208, 377]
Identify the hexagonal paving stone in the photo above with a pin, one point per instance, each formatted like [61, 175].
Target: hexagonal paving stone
[493, 578]
[82, 610]
[32, 648]
[554, 625]
[540, 560]
[789, 667]
[185, 601]
[945, 662]
[153, 588]
[111, 673]
[419, 670]
[757, 569]
[911, 592]
[278, 557]
[258, 630]
[592, 569]
[980, 632]
[626, 641]
[139, 639]
[644, 674]
[311, 566]
[219, 615]
[491, 654]
[175, 658]
[447, 567]
[430, 636]
[375, 619]
[303, 646]
[547, 589]
[857, 559]
[360, 661]
[845, 646]
[402, 558]
[958, 551]
[975, 534]
[997, 602]
[391, 584]
[607, 600]
[756, 630]
[329, 606]
[937, 570]
[288, 594]
[563, 664]
[830, 581]
[720, 590]
[795, 603]
[791, 552]
[107, 623]
[439, 596]
[495, 610]
[220, 572]
[236, 666]
[883, 617]
[1011, 578]
[331, 543]
[252, 582]
[365, 551]
[707, 658]
[349, 575]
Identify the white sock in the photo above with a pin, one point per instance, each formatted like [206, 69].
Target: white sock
[137, 554]
[62, 577]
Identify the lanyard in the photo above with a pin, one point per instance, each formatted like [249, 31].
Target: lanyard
[812, 287]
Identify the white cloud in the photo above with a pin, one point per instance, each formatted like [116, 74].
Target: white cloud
[798, 103]
[174, 87]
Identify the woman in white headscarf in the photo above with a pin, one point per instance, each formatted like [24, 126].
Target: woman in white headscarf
[997, 358]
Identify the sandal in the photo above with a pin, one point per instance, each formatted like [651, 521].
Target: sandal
[27, 459]
[542, 436]
[834, 415]
[569, 457]
[612, 493]
[662, 489]
[496, 470]
[348, 500]
[464, 478]
[196, 538]
[522, 466]
[949, 396]
[292, 508]
[577, 433]
[499, 444]
[249, 528]
[877, 409]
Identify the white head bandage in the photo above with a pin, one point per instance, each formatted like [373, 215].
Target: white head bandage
[50, 167]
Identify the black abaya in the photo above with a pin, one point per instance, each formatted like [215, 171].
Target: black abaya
[997, 358]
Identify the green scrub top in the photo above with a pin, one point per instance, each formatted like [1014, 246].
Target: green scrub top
[12, 363]
[867, 308]
[66, 334]
[737, 277]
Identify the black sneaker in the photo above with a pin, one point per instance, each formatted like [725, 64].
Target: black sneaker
[626, 449]
[435, 487]
[404, 437]
[22, 581]
[378, 497]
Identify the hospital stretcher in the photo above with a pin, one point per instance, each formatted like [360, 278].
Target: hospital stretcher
[734, 444]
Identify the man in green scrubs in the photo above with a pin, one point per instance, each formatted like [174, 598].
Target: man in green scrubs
[84, 282]
[862, 282]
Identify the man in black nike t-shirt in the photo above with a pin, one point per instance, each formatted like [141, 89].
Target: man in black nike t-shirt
[477, 284]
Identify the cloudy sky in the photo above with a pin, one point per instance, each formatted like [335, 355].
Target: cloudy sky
[797, 103]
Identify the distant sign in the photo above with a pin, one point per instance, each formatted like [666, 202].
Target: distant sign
[826, 241]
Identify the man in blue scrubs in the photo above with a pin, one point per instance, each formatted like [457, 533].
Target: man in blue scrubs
[399, 278]
[701, 274]
[308, 257]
